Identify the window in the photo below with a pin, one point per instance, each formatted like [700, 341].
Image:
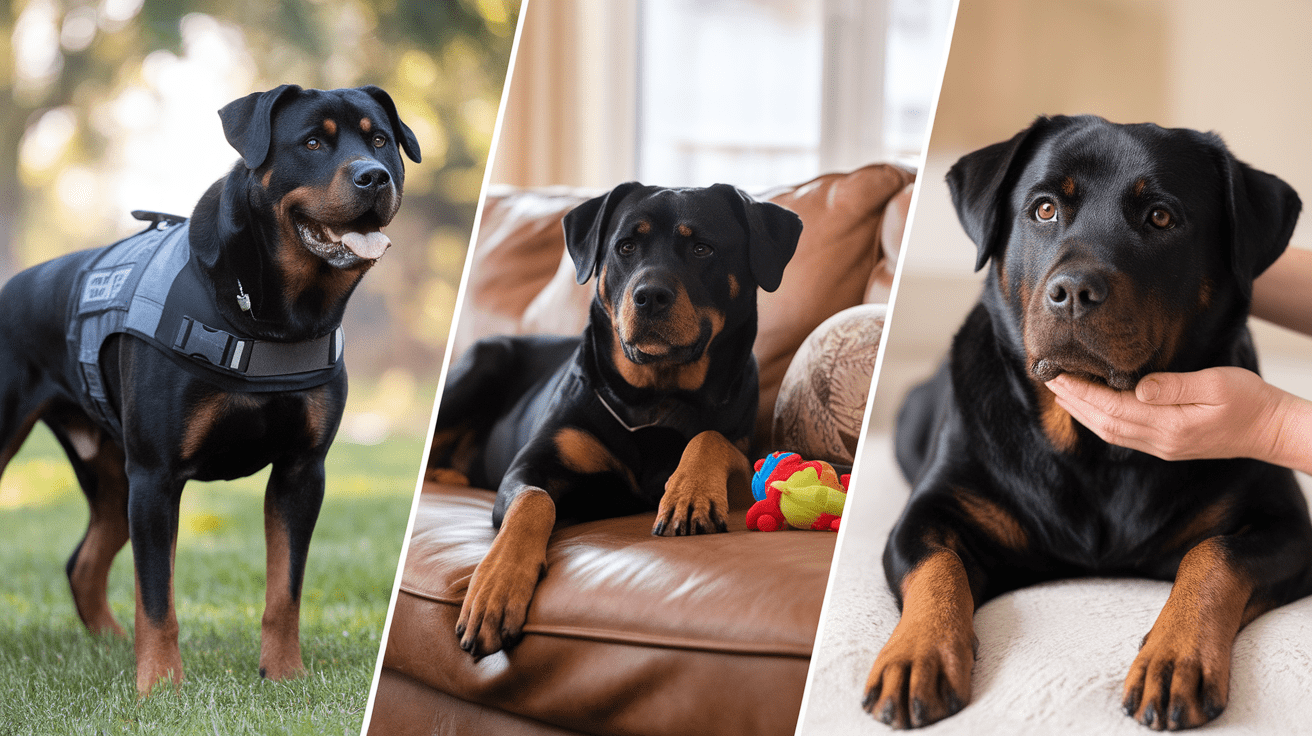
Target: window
[760, 92]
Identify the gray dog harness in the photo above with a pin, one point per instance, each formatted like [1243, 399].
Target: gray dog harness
[149, 286]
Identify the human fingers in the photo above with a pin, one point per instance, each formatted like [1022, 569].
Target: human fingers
[1207, 386]
[1115, 416]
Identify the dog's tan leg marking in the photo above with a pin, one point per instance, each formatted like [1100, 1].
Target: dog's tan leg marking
[280, 627]
[156, 644]
[1181, 677]
[922, 674]
[496, 604]
[107, 532]
[696, 498]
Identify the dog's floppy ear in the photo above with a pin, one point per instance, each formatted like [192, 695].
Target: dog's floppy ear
[407, 137]
[980, 183]
[248, 123]
[1262, 211]
[772, 234]
[585, 229]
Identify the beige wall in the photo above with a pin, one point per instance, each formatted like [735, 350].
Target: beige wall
[1242, 69]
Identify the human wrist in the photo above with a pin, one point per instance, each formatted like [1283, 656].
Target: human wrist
[1291, 424]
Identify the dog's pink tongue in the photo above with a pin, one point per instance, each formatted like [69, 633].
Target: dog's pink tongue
[367, 245]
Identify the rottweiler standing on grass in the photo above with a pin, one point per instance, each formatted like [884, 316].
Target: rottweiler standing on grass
[1117, 251]
[207, 349]
[652, 408]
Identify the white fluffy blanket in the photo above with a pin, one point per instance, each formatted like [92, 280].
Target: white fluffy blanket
[1052, 658]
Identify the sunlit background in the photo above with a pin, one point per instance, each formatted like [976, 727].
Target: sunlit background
[759, 93]
[110, 106]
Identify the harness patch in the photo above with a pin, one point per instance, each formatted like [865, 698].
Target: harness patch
[104, 285]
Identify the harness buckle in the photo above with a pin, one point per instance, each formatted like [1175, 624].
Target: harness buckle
[197, 340]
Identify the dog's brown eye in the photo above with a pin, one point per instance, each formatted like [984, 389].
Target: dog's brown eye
[312, 144]
[379, 140]
[1161, 219]
[1046, 211]
[626, 247]
[701, 250]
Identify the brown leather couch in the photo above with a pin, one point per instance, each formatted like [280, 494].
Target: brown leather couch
[629, 633]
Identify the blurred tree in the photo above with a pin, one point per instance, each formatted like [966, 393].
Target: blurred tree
[81, 75]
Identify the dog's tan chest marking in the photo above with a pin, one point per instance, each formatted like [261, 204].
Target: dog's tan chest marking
[583, 453]
[993, 520]
[207, 413]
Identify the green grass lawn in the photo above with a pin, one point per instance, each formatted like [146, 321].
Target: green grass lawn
[55, 678]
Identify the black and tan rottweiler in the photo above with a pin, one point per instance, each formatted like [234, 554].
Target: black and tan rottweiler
[651, 408]
[1116, 250]
[208, 349]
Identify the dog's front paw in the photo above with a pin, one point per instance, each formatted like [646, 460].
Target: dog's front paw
[919, 678]
[1173, 684]
[692, 505]
[496, 605]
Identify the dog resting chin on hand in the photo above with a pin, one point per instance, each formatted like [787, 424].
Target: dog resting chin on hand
[1114, 251]
[207, 349]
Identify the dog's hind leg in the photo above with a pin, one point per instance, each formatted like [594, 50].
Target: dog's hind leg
[98, 462]
[480, 387]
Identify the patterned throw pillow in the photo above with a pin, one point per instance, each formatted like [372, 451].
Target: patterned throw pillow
[823, 396]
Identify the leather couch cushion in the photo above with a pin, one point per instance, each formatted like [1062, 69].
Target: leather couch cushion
[407, 707]
[627, 633]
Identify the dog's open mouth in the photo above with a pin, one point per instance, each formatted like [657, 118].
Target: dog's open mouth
[361, 239]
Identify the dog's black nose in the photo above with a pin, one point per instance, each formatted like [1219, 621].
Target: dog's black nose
[652, 299]
[1076, 292]
[369, 175]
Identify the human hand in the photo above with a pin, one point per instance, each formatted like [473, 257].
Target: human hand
[1213, 413]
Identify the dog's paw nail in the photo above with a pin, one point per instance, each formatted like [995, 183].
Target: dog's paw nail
[919, 712]
[1177, 717]
[868, 702]
[888, 714]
